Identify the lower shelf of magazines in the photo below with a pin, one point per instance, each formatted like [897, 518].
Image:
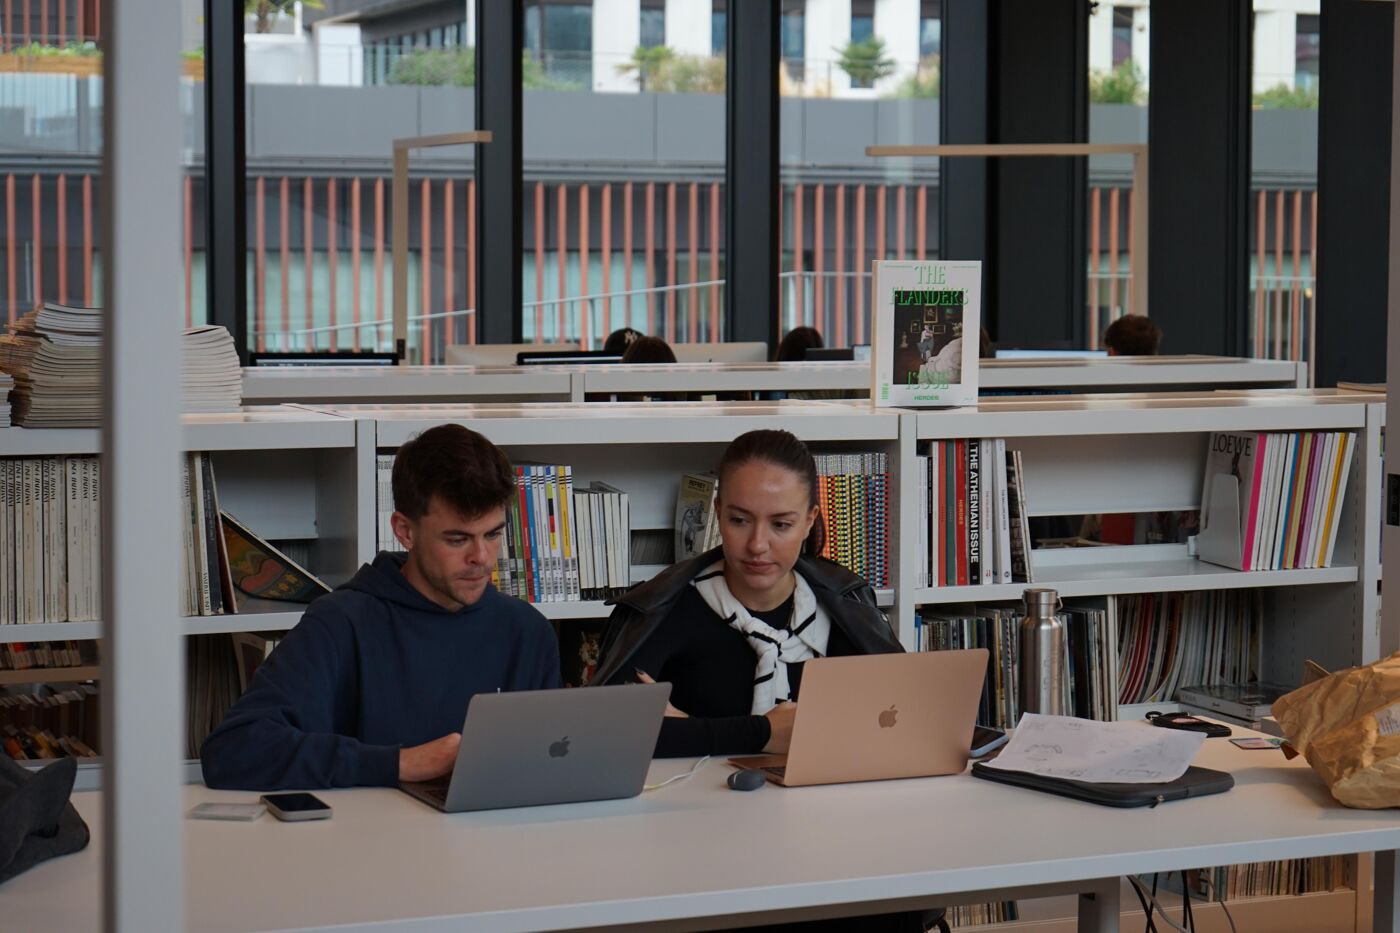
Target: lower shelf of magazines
[269, 616]
[1151, 568]
[1324, 912]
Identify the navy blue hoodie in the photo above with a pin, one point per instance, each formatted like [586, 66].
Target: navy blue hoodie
[371, 668]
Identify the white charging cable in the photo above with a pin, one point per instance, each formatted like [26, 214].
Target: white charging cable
[679, 777]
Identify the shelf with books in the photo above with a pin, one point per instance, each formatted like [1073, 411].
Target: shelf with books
[49, 442]
[1102, 579]
[640, 453]
[40, 675]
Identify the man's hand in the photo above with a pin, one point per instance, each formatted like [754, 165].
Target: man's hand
[429, 760]
[780, 719]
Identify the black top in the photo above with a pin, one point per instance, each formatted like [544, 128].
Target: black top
[710, 667]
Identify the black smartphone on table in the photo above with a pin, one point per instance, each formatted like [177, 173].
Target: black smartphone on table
[293, 808]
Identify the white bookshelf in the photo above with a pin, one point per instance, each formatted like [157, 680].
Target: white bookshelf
[287, 472]
[1146, 453]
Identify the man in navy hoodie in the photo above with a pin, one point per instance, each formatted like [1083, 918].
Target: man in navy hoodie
[372, 685]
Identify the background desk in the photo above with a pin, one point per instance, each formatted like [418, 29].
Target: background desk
[697, 850]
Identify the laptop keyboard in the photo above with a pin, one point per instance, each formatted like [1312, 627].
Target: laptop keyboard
[437, 791]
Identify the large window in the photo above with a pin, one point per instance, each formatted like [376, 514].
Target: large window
[326, 97]
[870, 78]
[653, 24]
[1283, 196]
[623, 211]
[559, 42]
[51, 137]
[1118, 92]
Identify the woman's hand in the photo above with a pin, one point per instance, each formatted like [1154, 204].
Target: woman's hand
[645, 678]
[780, 719]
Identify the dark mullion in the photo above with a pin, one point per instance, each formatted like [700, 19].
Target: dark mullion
[1353, 183]
[1199, 136]
[499, 46]
[751, 172]
[225, 167]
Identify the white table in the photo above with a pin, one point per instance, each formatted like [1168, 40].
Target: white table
[698, 850]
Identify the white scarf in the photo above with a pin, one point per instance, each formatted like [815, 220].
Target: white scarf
[804, 638]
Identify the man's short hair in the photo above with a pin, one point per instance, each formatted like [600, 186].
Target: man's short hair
[466, 471]
[1133, 335]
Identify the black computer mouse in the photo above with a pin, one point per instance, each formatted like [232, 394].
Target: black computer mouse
[748, 779]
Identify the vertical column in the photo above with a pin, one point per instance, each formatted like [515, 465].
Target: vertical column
[963, 118]
[688, 26]
[225, 171]
[751, 172]
[826, 29]
[1040, 61]
[499, 34]
[897, 23]
[616, 35]
[1199, 127]
[1355, 185]
[142, 659]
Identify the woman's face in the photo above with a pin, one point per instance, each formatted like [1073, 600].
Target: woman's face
[765, 515]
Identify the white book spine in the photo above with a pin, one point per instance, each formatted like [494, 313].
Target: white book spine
[984, 505]
[1341, 497]
[190, 607]
[7, 547]
[1002, 510]
[73, 542]
[201, 548]
[57, 543]
[29, 542]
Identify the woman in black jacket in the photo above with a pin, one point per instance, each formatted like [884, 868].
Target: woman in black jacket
[731, 629]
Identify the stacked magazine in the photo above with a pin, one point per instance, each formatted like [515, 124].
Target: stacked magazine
[212, 378]
[54, 357]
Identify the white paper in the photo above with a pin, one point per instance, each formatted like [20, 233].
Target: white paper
[1098, 752]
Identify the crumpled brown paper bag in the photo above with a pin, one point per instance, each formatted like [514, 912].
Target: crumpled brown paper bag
[1347, 724]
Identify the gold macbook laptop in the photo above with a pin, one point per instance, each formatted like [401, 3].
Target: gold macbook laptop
[877, 717]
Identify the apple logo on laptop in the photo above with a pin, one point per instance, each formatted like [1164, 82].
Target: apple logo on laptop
[560, 748]
[887, 717]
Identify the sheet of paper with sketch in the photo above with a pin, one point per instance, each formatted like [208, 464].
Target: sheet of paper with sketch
[1098, 752]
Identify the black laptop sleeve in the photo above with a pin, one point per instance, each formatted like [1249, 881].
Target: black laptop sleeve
[1196, 782]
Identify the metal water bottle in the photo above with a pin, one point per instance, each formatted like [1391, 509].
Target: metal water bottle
[1042, 680]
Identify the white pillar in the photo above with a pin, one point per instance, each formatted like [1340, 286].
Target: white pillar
[688, 27]
[143, 696]
[1275, 55]
[340, 58]
[827, 28]
[1101, 38]
[469, 39]
[897, 23]
[617, 31]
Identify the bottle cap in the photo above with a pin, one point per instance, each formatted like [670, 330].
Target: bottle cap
[1041, 601]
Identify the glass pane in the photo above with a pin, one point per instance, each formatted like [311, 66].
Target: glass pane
[51, 136]
[623, 209]
[1283, 196]
[1118, 90]
[326, 99]
[848, 81]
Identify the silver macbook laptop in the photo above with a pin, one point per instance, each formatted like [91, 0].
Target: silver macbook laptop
[538, 747]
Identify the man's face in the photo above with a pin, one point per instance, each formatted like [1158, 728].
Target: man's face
[450, 555]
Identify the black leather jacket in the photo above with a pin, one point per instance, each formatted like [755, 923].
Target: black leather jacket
[846, 597]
